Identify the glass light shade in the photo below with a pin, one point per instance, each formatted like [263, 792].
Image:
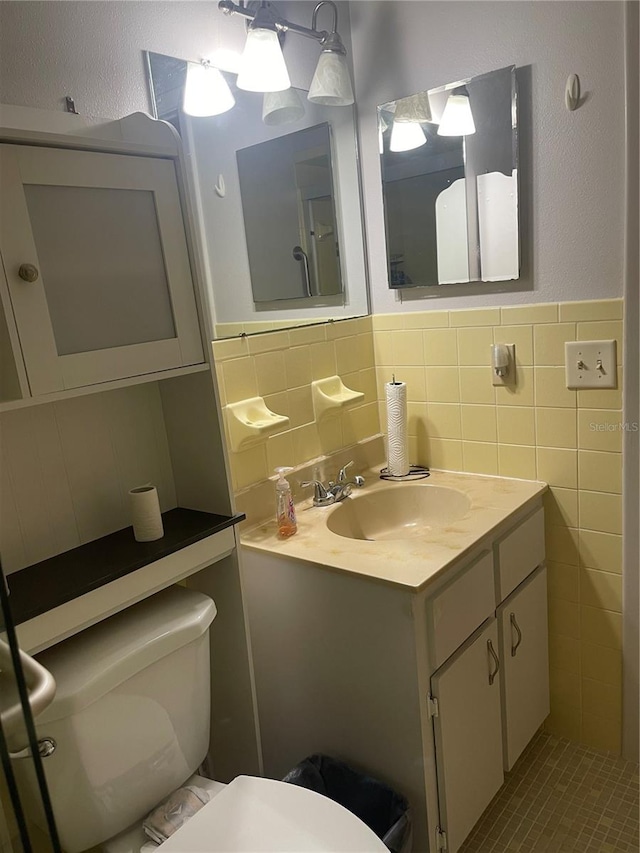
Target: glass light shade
[414, 108]
[457, 118]
[262, 67]
[206, 92]
[406, 135]
[281, 107]
[331, 84]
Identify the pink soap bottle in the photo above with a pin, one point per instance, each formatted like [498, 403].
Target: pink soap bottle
[285, 511]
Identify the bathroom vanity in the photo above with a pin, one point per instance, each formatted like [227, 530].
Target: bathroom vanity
[420, 657]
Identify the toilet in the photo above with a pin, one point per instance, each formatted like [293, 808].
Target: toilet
[131, 724]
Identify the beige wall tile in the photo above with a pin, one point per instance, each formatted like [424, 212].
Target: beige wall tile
[300, 406]
[479, 423]
[232, 348]
[270, 373]
[520, 394]
[561, 506]
[347, 354]
[601, 589]
[563, 583]
[564, 653]
[593, 309]
[564, 687]
[521, 336]
[599, 429]
[602, 398]
[367, 354]
[474, 347]
[383, 348]
[601, 699]
[443, 420]
[443, 453]
[480, 458]
[602, 627]
[414, 377]
[323, 360]
[268, 341]
[604, 330]
[601, 663]
[475, 317]
[602, 551]
[600, 472]
[278, 403]
[564, 618]
[425, 319]
[249, 466]
[551, 388]
[562, 544]
[475, 385]
[558, 466]
[365, 421]
[556, 427]
[307, 335]
[564, 722]
[306, 443]
[280, 451]
[342, 328]
[517, 461]
[367, 384]
[549, 341]
[600, 511]
[601, 733]
[442, 385]
[440, 347]
[383, 322]
[330, 435]
[515, 315]
[516, 425]
[407, 348]
[239, 379]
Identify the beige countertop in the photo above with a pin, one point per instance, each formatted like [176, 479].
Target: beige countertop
[411, 563]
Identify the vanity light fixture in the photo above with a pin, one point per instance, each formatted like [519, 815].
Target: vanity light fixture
[407, 132]
[206, 92]
[263, 68]
[280, 108]
[457, 118]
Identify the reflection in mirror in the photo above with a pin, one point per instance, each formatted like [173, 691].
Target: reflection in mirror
[450, 182]
[277, 194]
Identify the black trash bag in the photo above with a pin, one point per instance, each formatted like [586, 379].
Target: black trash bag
[376, 804]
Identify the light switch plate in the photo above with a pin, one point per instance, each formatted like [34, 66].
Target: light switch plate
[590, 364]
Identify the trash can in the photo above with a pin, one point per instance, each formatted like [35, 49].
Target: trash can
[383, 810]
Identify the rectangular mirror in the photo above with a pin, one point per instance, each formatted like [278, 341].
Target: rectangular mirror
[277, 195]
[449, 159]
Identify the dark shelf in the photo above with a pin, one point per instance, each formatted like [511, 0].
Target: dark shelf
[53, 582]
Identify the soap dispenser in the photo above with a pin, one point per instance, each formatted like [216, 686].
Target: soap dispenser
[285, 511]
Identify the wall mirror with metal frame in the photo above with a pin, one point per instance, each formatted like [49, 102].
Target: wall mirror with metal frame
[278, 201]
[449, 160]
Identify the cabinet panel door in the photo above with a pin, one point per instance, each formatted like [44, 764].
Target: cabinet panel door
[114, 296]
[525, 654]
[468, 733]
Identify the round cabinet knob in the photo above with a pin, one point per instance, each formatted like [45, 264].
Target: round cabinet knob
[28, 272]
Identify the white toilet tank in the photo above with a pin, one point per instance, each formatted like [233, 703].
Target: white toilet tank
[131, 714]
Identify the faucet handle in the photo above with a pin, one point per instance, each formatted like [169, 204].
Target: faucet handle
[342, 474]
[321, 496]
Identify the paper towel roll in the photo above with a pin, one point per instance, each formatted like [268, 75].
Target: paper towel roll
[145, 514]
[397, 438]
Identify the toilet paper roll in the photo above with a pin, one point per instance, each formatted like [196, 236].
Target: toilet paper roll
[397, 434]
[145, 514]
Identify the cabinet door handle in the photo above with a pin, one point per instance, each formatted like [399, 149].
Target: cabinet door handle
[496, 660]
[514, 625]
[28, 272]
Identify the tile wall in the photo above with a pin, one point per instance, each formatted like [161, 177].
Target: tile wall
[458, 420]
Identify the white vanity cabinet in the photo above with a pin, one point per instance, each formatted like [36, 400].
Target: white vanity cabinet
[98, 277]
[436, 690]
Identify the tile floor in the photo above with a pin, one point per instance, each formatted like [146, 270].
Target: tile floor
[562, 797]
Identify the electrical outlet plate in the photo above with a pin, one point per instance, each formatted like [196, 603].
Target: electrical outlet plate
[590, 364]
[509, 377]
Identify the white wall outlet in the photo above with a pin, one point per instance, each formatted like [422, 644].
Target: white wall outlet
[590, 364]
[503, 364]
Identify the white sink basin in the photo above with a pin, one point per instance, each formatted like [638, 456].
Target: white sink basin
[401, 511]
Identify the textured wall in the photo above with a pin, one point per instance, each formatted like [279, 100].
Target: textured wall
[572, 163]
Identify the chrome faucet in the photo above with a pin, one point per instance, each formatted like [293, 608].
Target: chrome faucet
[334, 492]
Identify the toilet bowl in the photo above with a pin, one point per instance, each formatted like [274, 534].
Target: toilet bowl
[131, 724]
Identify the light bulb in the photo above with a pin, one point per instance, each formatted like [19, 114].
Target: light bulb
[262, 67]
[457, 118]
[206, 92]
[406, 135]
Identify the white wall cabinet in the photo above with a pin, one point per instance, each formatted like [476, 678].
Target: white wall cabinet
[416, 687]
[97, 269]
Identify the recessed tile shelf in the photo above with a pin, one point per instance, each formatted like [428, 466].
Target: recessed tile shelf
[43, 586]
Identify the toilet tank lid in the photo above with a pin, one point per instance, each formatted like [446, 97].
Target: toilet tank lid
[98, 659]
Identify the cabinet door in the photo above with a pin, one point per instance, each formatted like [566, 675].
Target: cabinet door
[468, 733]
[525, 654]
[114, 296]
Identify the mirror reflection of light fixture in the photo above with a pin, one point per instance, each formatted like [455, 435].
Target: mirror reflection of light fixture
[206, 92]
[281, 107]
[263, 68]
[457, 118]
[406, 132]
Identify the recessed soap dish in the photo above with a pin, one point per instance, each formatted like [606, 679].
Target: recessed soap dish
[330, 395]
[250, 421]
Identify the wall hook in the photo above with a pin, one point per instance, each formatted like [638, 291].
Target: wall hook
[572, 92]
[219, 187]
